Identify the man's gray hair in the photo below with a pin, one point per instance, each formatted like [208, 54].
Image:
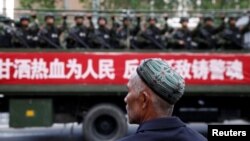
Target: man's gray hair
[137, 83]
[160, 104]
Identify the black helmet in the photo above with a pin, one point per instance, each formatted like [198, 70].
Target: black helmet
[22, 18]
[50, 15]
[79, 17]
[208, 18]
[125, 18]
[232, 17]
[102, 18]
[152, 18]
[5, 19]
[184, 19]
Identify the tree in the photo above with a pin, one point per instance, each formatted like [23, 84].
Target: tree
[171, 4]
[127, 4]
[30, 4]
[146, 4]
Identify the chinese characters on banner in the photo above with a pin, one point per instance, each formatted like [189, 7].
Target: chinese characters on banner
[116, 68]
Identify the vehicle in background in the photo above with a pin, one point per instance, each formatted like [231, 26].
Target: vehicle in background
[39, 88]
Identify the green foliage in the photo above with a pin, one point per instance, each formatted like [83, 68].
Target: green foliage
[29, 4]
[225, 4]
[145, 4]
[172, 5]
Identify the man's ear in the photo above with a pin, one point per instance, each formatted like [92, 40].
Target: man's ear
[145, 99]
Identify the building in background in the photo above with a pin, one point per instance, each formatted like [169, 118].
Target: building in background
[7, 8]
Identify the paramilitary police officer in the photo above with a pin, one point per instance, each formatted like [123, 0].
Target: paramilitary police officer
[182, 37]
[127, 34]
[78, 35]
[5, 32]
[49, 34]
[115, 25]
[233, 35]
[206, 35]
[101, 37]
[23, 36]
[152, 35]
[34, 24]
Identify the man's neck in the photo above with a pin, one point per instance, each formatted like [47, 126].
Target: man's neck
[155, 115]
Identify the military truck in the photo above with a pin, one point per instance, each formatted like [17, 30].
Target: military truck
[39, 88]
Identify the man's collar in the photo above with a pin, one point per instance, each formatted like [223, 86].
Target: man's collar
[160, 124]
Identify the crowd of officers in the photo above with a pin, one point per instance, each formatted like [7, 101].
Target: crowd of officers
[129, 33]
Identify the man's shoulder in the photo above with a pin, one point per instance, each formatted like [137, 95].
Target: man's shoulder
[157, 136]
[194, 135]
[129, 138]
[123, 139]
[134, 137]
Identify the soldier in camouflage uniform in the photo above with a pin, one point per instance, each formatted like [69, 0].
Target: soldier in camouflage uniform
[206, 35]
[101, 37]
[5, 32]
[24, 37]
[232, 35]
[127, 34]
[49, 34]
[153, 35]
[182, 37]
[78, 35]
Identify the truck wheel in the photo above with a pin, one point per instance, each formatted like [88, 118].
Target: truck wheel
[104, 122]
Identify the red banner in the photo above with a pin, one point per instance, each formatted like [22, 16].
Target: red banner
[115, 68]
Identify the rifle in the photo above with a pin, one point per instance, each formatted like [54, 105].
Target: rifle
[49, 41]
[133, 45]
[226, 35]
[77, 39]
[184, 37]
[154, 41]
[16, 34]
[208, 39]
[20, 39]
[103, 43]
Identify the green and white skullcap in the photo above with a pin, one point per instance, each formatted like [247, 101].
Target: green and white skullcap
[162, 79]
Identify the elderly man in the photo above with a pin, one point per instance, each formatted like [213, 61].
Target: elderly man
[152, 92]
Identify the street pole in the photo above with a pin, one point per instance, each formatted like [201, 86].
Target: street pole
[9, 8]
[96, 8]
[66, 4]
[4, 7]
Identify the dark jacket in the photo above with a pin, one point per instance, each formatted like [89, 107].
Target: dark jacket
[153, 37]
[206, 36]
[101, 38]
[164, 129]
[183, 34]
[233, 38]
[49, 37]
[6, 32]
[23, 37]
[78, 37]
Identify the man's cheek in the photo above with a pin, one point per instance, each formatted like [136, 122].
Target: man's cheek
[130, 115]
[136, 112]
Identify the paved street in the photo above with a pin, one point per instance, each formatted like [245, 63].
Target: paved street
[72, 131]
[60, 132]
[57, 132]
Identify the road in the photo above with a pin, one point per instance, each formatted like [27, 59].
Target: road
[62, 132]
[67, 132]
[73, 131]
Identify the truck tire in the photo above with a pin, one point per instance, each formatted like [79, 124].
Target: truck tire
[104, 122]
